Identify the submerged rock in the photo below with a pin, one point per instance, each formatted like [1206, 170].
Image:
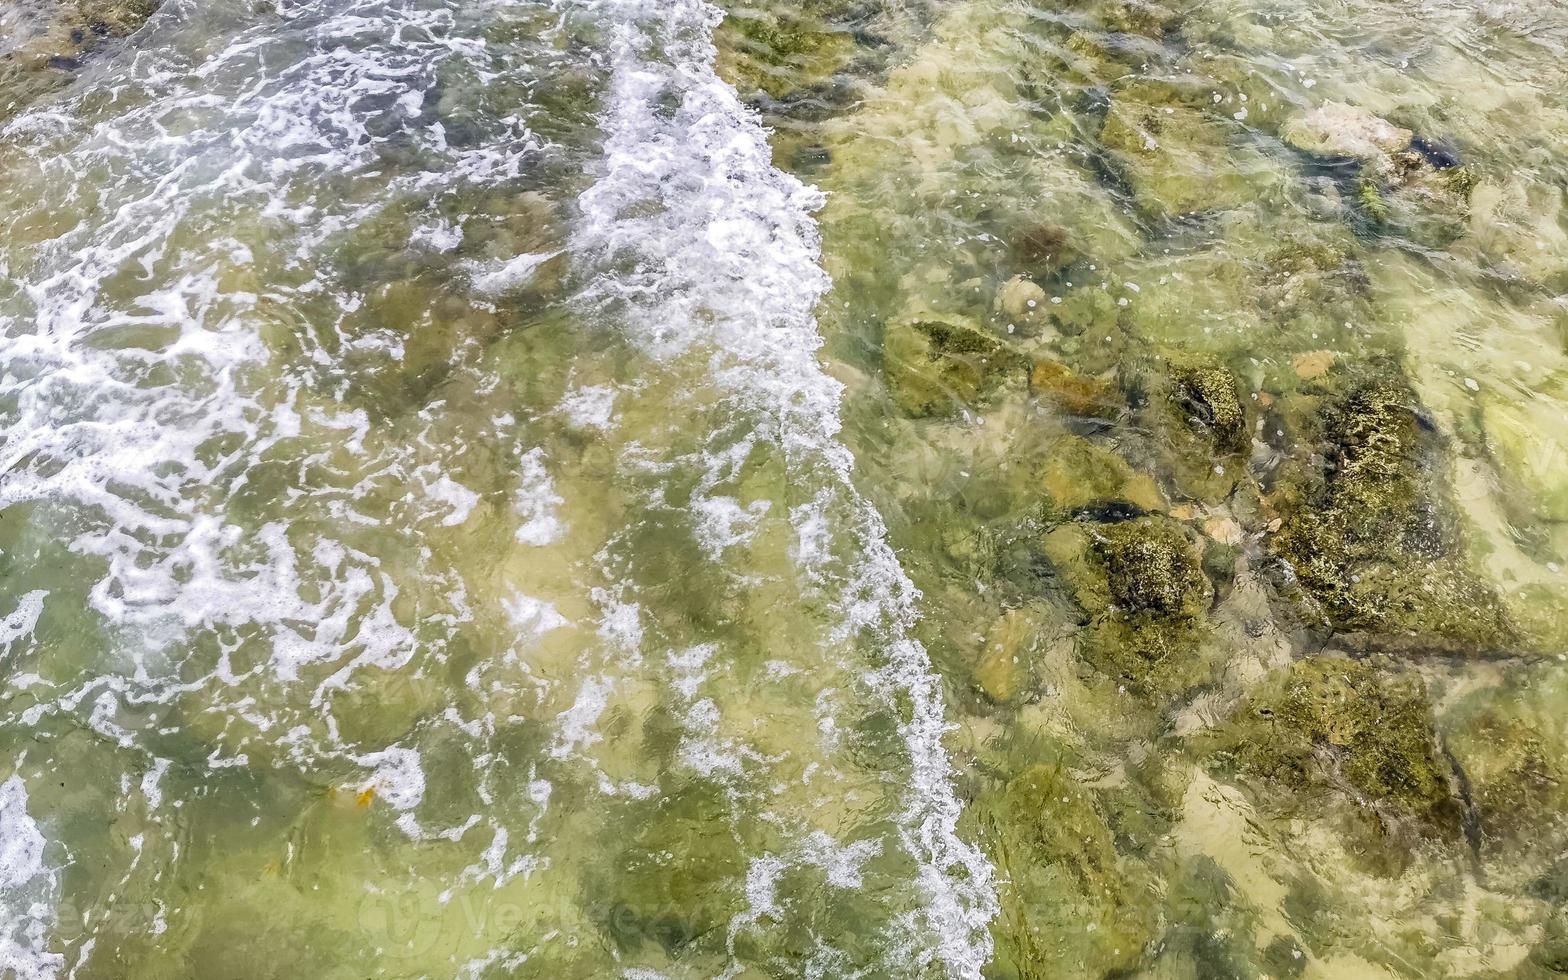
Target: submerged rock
[1344, 726]
[1179, 160]
[933, 366]
[42, 41]
[1511, 743]
[1073, 393]
[1522, 435]
[1206, 431]
[1002, 669]
[1146, 18]
[775, 52]
[1069, 901]
[1042, 249]
[1152, 568]
[1338, 129]
[1082, 478]
[1142, 586]
[1206, 391]
[1023, 303]
[1370, 539]
[679, 874]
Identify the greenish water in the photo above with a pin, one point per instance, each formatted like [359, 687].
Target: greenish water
[612, 488]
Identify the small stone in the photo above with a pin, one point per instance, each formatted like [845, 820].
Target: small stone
[1224, 530]
[1019, 297]
[1338, 129]
[1313, 364]
[1002, 671]
[1074, 394]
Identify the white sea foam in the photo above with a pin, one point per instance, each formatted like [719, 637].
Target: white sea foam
[723, 258]
[22, 620]
[589, 407]
[496, 278]
[28, 891]
[536, 501]
[532, 616]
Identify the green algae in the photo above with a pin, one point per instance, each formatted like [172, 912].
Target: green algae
[1081, 478]
[1068, 900]
[1331, 722]
[1365, 498]
[1071, 392]
[938, 366]
[679, 873]
[1508, 740]
[776, 52]
[1368, 536]
[1179, 159]
[1141, 586]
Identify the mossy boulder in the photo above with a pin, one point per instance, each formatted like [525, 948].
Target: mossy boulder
[1347, 727]
[1072, 393]
[1206, 392]
[1370, 539]
[1205, 428]
[1152, 567]
[776, 52]
[1082, 478]
[1313, 285]
[1142, 588]
[1180, 160]
[1070, 904]
[1421, 203]
[1511, 743]
[934, 366]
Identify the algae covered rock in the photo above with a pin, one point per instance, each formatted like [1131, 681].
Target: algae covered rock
[1338, 129]
[1071, 392]
[1511, 743]
[1085, 311]
[1196, 407]
[1142, 587]
[1069, 902]
[1002, 668]
[1369, 537]
[1524, 435]
[1148, 18]
[775, 52]
[41, 42]
[1210, 929]
[679, 875]
[1040, 250]
[1179, 160]
[1344, 725]
[1152, 568]
[1080, 477]
[1206, 391]
[933, 366]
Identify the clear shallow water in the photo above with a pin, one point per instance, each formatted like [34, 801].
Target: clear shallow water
[474, 502]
